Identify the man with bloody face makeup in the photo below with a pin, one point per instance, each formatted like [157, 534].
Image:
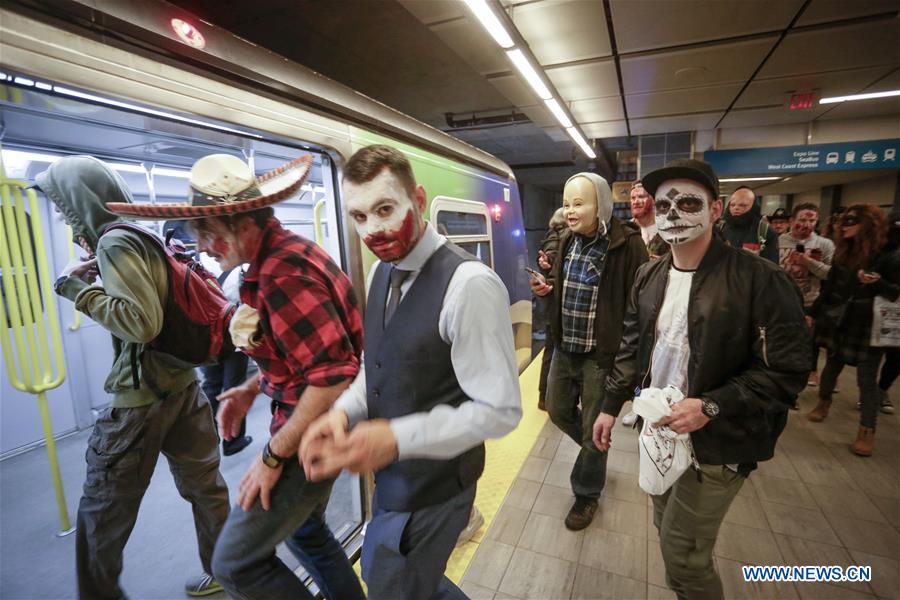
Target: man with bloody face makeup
[598, 258]
[439, 378]
[643, 214]
[727, 330]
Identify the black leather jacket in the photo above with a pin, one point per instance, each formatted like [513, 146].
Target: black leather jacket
[749, 349]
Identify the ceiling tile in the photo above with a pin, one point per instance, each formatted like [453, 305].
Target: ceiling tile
[604, 129]
[752, 117]
[823, 11]
[590, 80]
[432, 11]
[703, 66]
[473, 44]
[561, 31]
[836, 48]
[672, 124]
[663, 23]
[515, 90]
[597, 109]
[676, 102]
[835, 83]
[539, 115]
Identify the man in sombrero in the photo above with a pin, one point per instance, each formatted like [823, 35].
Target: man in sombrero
[300, 321]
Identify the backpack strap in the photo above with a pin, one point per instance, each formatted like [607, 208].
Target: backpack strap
[762, 230]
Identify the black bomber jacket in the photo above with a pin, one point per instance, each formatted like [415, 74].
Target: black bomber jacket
[749, 349]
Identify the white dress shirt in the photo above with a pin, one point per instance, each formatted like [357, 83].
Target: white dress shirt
[474, 320]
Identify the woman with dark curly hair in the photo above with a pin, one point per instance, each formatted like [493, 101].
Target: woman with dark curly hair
[862, 269]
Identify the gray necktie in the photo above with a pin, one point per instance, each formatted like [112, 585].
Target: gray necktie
[398, 276]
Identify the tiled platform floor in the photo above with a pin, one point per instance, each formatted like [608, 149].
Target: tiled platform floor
[814, 504]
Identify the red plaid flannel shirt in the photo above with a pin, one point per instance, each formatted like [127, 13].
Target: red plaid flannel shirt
[309, 316]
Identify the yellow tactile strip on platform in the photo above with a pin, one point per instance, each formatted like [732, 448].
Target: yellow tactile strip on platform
[504, 461]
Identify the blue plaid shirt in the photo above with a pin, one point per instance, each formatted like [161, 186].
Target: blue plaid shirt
[582, 269]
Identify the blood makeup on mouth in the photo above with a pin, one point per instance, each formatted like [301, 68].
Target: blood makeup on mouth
[393, 245]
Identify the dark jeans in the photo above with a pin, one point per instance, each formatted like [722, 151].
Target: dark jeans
[576, 388]
[546, 359]
[405, 553]
[245, 562]
[324, 559]
[866, 376]
[218, 378]
[890, 369]
[121, 456]
[687, 517]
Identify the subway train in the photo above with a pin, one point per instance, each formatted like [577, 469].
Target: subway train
[149, 92]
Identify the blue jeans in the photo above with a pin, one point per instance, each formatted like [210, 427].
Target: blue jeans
[405, 553]
[576, 388]
[245, 563]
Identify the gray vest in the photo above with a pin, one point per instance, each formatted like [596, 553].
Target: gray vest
[408, 370]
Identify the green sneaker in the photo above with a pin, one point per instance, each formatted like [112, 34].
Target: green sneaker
[202, 585]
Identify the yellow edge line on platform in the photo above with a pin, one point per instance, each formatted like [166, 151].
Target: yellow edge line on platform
[505, 458]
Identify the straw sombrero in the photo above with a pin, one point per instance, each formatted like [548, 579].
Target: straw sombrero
[222, 184]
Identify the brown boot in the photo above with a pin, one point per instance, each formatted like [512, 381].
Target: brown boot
[865, 442]
[818, 414]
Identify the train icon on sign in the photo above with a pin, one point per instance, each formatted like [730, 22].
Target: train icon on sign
[890, 153]
[832, 158]
[850, 157]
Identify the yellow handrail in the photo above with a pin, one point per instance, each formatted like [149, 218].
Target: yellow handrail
[317, 222]
[29, 313]
[70, 244]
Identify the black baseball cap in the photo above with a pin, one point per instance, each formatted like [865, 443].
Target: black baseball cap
[683, 168]
[780, 214]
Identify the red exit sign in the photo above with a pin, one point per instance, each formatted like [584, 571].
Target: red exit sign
[802, 100]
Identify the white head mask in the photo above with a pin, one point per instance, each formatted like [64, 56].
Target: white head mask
[682, 210]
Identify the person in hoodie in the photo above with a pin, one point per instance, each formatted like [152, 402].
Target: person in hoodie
[130, 434]
[592, 277]
[745, 228]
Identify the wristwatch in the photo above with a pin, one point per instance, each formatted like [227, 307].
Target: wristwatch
[270, 459]
[710, 408]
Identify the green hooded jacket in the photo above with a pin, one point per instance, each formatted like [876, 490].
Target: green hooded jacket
[129, 303]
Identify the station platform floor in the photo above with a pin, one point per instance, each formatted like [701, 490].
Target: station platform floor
[814, 504]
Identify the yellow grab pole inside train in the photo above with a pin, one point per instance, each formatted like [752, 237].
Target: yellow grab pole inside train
[34, 360]
[317, 222]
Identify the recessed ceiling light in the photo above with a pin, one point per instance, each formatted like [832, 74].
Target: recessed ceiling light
[489, 21]
[870, 96]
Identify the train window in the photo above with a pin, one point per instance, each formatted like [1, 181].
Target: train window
[466, 223]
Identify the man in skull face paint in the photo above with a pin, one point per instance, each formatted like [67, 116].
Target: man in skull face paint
[439, 378]
[725, 328]
[597, 261]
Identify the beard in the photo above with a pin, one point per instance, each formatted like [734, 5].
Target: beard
[391, 246]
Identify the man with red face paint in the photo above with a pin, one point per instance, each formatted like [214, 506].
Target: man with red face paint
[598, 258]
[439, 378]
[643, 214]
[299, 320]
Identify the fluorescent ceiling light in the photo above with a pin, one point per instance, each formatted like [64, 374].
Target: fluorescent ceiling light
[737, 179]
[869, 96]
[579, 139]
[147, 111]
[522, 63]
[490, 22]
[558, 112]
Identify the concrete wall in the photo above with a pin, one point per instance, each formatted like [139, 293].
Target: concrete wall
[538, 205]
[880, 191]
[817, 132]
[813, 196]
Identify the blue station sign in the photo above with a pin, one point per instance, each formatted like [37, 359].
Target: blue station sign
[845, 156]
